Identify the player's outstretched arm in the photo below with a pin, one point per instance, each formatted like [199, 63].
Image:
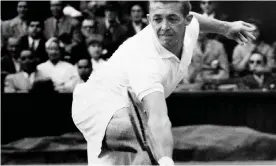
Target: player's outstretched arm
[239, 31]
[159, 128]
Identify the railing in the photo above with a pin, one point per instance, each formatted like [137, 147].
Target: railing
[30, 115]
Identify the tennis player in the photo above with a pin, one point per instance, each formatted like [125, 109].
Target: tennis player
[150, 65]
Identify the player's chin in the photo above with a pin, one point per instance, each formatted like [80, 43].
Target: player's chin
[165, 40]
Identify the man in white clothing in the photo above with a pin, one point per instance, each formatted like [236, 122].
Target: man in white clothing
[150, 65]
[63, 74]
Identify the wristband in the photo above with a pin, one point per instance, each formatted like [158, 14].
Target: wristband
[165, 161]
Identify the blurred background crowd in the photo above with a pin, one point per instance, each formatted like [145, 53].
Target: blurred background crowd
[52, 46]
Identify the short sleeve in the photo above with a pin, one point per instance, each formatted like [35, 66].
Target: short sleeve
[145, 77]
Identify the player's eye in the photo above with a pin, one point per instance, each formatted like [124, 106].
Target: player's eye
[157, 20]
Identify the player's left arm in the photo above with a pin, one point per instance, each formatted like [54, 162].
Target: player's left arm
[239, 31]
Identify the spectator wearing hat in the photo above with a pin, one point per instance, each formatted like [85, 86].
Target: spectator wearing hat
[110, 28]
[59, 25]
[92, 8]
[63, 74]
[89, 28]
[96, 51]
[136, 23]
[35, 40]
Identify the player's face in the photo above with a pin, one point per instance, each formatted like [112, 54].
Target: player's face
[168, 23]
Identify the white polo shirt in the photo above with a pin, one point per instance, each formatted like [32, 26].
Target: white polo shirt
[142, 65]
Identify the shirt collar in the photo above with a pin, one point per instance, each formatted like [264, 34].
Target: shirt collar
[51, 64]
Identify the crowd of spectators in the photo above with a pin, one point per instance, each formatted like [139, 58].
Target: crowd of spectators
[57, 53]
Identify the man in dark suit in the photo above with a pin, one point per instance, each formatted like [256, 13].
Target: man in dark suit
[9, 61]
[258, 78]
[111, 29]
[28, 78]
[17, 26]
[35, 40]
[136, 23]
[60, 24]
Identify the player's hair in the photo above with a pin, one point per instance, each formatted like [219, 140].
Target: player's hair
[186, 5]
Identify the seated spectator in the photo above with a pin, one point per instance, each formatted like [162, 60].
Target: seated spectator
[95, 50]
[84, 67]
[113, 32]
[209, 61]
[35, 40]
[17, 26]
[136, 23]
[92, 8]
[9, 61]
[89, 29]
[273, 58]
[242, 53]
[23, 81]
[258, 79]
[60, 24]
[63, 74]
[211, 9]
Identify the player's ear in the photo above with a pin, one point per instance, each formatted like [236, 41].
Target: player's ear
[188, 19]
[148, 17]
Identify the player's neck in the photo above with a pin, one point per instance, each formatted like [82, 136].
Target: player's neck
[178, 48]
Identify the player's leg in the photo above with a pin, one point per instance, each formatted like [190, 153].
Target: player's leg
[120, 136]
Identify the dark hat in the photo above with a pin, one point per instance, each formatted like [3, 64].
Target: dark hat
[95, 38]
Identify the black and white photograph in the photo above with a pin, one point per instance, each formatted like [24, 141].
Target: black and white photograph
[96, 82]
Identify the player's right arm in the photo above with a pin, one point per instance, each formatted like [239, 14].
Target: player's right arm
[159, 127]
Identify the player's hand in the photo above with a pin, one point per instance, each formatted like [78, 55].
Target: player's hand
[240, 31]
[166, 161]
